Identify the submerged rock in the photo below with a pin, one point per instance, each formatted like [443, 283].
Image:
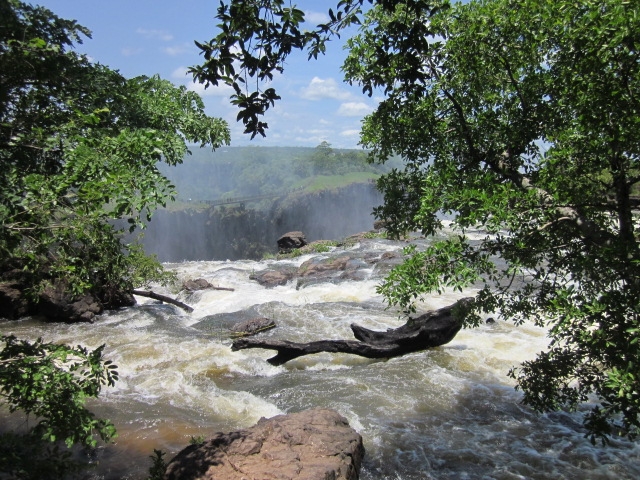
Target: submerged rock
[252, 326]
[315, 444]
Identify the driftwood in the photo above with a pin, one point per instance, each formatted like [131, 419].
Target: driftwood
[224, 288]
[426, 331]
[163, 298]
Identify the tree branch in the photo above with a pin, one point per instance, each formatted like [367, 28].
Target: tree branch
[426, 331]
[163, 298]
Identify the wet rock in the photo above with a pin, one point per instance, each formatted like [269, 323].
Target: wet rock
[320, 266]
[291, 240]
[58, 305]
[12, 303]
[273, 278]
[314, 444]
[197, 284]
[252, 326]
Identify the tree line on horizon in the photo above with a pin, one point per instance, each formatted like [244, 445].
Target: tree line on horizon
[244, 171]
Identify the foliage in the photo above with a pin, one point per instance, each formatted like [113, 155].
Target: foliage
[79, 145]
[158, 467]
[51, 383]
[518, 118]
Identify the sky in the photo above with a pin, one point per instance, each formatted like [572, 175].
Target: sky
[147, 37]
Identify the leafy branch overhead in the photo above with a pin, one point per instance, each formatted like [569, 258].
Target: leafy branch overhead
[80, 147]
[52, 382]
[517, 119]
[254, 41]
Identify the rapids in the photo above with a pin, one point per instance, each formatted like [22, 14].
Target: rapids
[447, 413]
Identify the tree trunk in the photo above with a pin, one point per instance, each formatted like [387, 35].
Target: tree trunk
[163, 298]
[426, 331]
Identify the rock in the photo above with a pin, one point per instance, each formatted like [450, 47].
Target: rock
[291, 240]
[315, 444]
[273, 278]
[13, 304]
[56, 304]
[380, 225]
[197, 284]
[252, 326]
[320, 266]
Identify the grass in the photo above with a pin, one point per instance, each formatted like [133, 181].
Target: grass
[329, 182]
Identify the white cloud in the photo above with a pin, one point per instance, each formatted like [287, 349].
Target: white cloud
[221, 90]
[176, 49]
[316, 18]
[130, 51]
[354, 109]
[324, 88]
[179, 73]
[350, 133]
[155, 34]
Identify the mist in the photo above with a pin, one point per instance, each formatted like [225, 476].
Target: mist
[325, 204]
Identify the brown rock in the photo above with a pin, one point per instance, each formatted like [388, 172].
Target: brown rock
[252, 326]
[317, 266]
[314, 444]
[273, 278]
[197, 284]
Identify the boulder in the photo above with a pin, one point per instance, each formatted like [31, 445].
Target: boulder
[57, 304]
[291, 241]
[252, 326]
[13, 303]
[197, 284]
[273, 278]
[315, 444]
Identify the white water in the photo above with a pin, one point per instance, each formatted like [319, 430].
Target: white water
[447, 413]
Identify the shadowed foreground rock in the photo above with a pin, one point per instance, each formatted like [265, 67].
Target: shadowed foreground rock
[315, 444]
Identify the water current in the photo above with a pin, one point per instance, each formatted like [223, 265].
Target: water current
[447, 413]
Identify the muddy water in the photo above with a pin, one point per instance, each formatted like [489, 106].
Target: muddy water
[447, 413]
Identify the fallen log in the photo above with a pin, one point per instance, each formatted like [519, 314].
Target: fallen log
[426, 331]
[163, 298]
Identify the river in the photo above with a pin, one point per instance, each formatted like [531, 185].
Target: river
[447, 413]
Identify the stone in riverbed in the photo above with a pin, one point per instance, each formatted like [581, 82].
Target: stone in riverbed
[315, 444]
[252, 326]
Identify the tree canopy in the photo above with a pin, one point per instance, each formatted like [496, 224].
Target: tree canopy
[515, 118]
[79, 152]
[79, 147]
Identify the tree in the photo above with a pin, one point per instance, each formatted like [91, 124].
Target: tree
[79, 146]
[50, 382]
[519, 118]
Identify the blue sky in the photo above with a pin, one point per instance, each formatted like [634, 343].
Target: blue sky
[144, 37]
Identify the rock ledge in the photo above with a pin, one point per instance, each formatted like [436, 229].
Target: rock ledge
[315, 444]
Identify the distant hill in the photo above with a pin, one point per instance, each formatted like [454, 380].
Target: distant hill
[247, 171]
